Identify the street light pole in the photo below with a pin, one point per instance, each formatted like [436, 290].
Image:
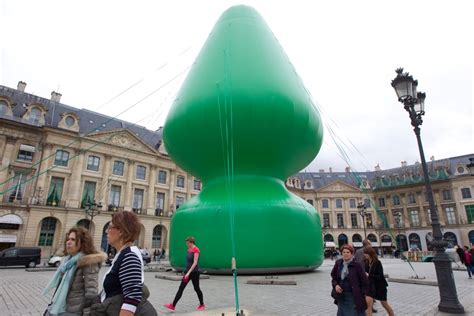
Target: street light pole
[362, 211]
[398, 219]
[92, 209]
[406, 88]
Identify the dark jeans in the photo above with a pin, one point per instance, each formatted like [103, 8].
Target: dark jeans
[194, 277]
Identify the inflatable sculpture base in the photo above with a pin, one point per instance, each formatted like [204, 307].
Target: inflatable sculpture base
[274, 230]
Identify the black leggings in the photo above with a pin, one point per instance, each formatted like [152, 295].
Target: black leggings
[194, 276]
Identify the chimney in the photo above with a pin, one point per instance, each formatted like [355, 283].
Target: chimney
[321, 170]
[56, 96]
[21, 86]
[330, 169]
[404, 163]
[377, 167]
[348, 169]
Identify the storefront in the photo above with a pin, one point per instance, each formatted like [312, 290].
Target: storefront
[9, 227]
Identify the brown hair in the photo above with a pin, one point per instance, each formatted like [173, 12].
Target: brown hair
[371, 253]
[83, 239]
[191, 239]
[348, 247]
[128, 223]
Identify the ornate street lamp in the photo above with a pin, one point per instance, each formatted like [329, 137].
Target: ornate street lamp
[362, 212]
[92, 210]
[406, 89]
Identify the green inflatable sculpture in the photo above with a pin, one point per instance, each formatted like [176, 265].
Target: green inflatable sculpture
[243, 123]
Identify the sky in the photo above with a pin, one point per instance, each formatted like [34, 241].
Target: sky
[108, 56]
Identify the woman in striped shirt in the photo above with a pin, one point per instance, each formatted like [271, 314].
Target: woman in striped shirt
[123, 292]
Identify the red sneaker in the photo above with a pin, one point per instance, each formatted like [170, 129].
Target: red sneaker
[170, 307]
[201, 307]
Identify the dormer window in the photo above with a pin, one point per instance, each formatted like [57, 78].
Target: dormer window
[70, 121]
[5, 108]
[35, 116]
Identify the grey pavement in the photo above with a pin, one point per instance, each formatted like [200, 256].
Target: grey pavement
[20, 293]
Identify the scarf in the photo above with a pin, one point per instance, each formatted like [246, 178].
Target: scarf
[62, 280]
[345, 269]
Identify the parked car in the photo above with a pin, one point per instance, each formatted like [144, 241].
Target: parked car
[55, 261]
[20, 256]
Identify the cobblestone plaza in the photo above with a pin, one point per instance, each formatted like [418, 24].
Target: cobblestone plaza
[20, 293]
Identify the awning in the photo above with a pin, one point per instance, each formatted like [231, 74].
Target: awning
[357, 244]
[8, 238]
[11, 219]
[329, 244]
[27, 148]
[374, 244]
[386, 244]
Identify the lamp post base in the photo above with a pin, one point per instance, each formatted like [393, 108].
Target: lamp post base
[449, 302]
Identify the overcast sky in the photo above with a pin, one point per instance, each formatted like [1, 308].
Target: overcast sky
[345, 51]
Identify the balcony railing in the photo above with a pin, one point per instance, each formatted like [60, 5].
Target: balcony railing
[138, 210]
[114, 208]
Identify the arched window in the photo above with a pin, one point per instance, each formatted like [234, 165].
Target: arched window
[356, 238]
[414, 241]
[451, 239]
[372, 237]
[48, 227]
[84, 223]
[156, 239]
[328, 237]
[342, 239]
[402, 243]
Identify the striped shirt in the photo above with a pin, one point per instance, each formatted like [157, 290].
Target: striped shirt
[125, 277]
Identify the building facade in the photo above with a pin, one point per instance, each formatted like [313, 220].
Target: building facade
[397, 213]
[57, 162]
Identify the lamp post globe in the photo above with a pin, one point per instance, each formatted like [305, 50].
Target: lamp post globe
[413, 101]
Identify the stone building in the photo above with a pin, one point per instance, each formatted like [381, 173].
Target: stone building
[56, 161]
[395, 204]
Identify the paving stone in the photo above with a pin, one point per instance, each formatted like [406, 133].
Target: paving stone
[21, 293]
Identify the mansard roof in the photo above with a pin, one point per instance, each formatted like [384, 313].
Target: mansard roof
[438, 170]
[89, 121]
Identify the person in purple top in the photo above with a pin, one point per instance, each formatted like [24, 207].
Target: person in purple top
[191, 272]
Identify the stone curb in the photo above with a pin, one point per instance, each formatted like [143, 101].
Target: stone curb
[271, 282]
[41, 269]
[177, 277]
[413, 281]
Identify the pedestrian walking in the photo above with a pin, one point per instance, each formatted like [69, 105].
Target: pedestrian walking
[157, 255]
[460, 253]
[468, 261]
[191, 272]
[360, 258]
[377, 282]
[124, 291]
[349, 285]
[75, 281]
